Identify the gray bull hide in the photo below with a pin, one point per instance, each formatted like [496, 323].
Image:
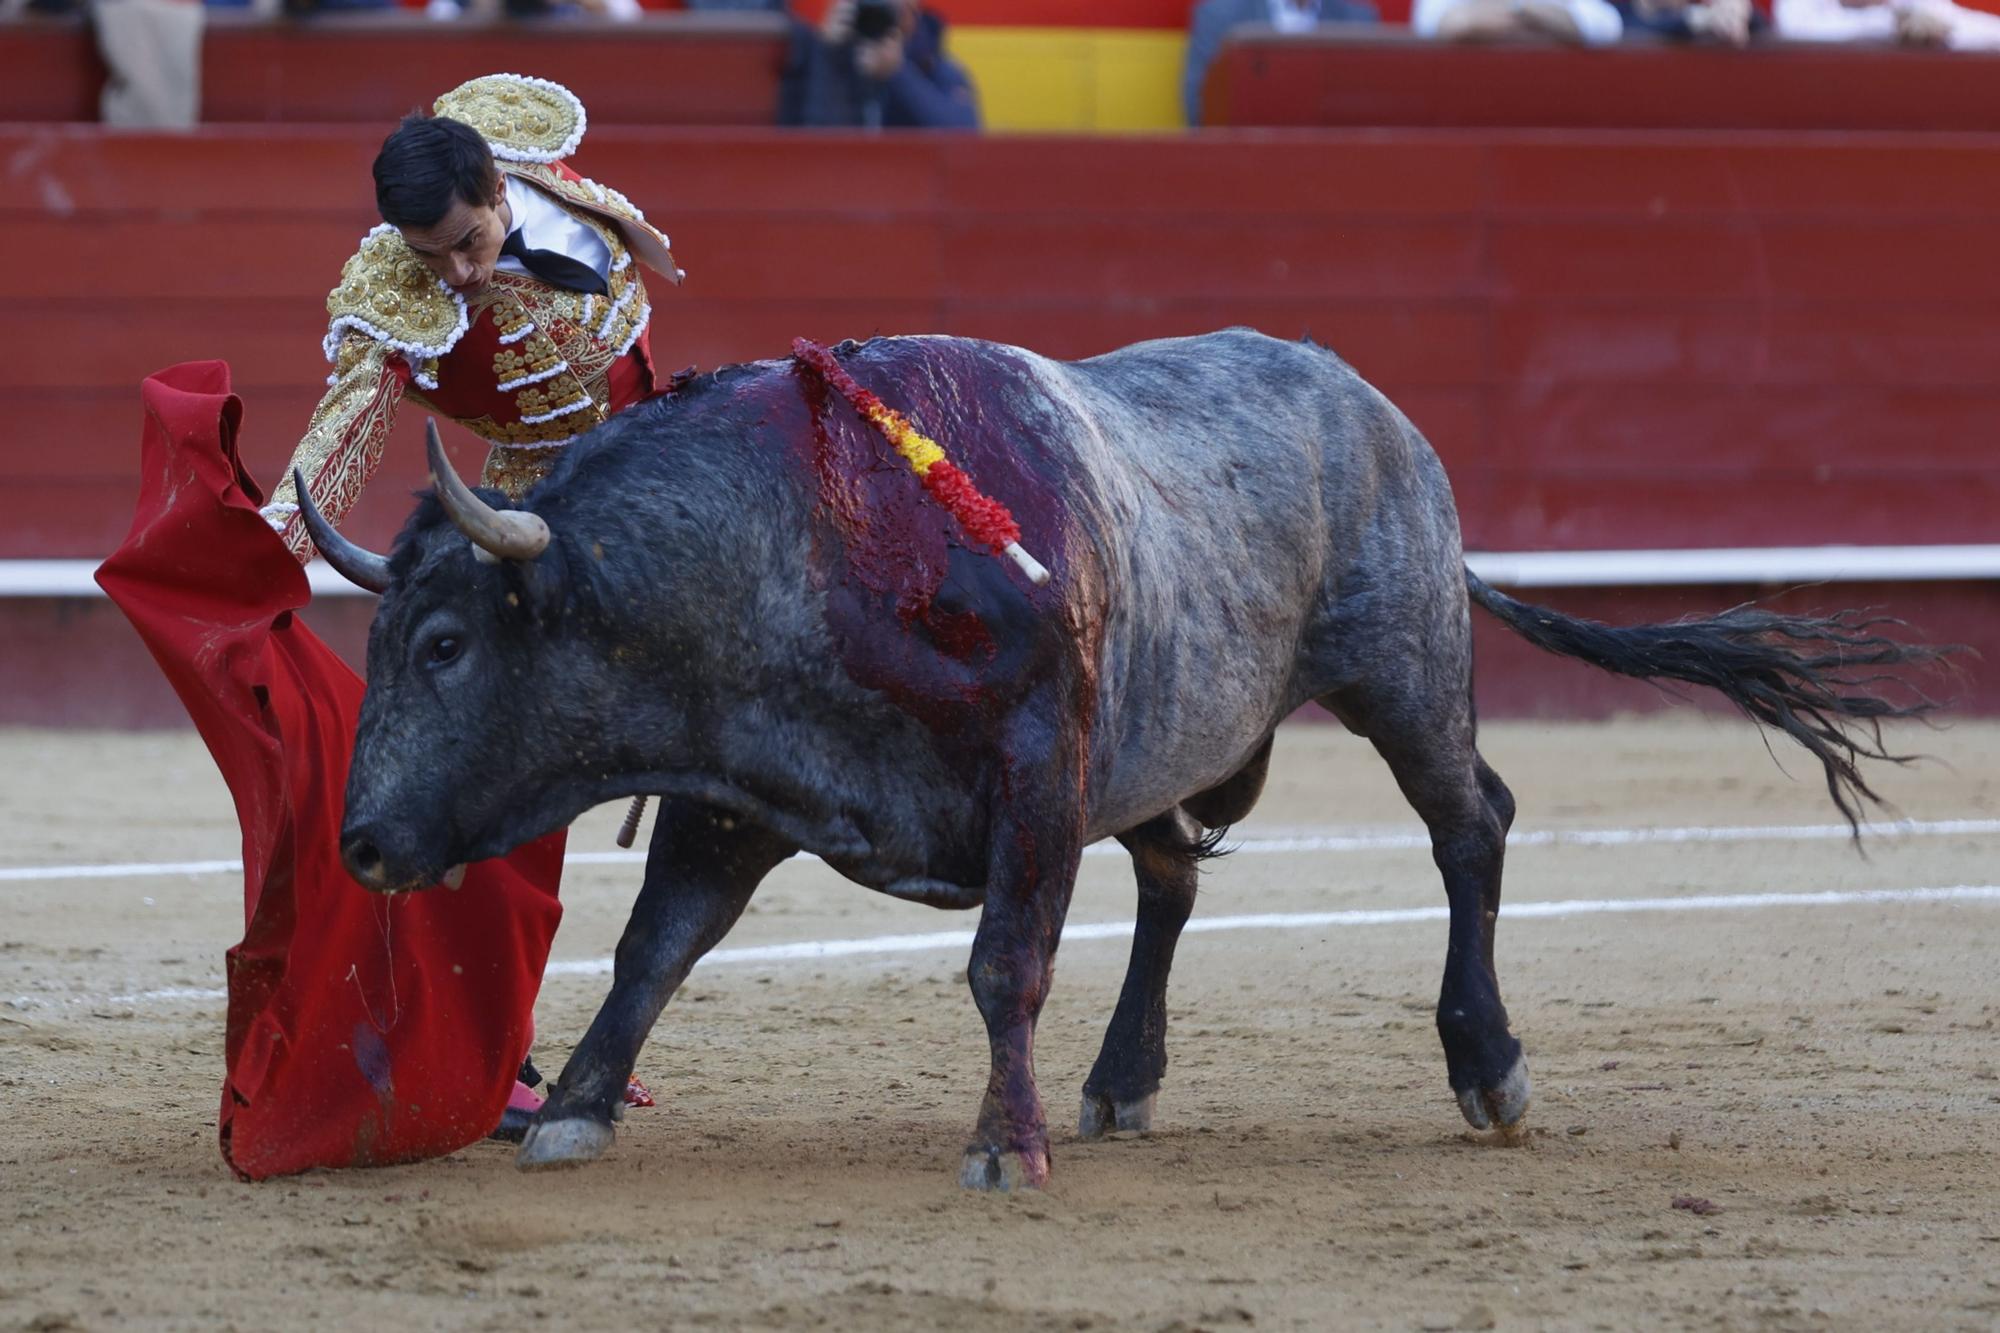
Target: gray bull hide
[738, 598]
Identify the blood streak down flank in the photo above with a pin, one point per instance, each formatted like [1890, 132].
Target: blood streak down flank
[984, 519]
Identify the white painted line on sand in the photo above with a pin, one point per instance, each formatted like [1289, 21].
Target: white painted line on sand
[1080, 932]
[1365, 840]
[119, 870]
[811, 950]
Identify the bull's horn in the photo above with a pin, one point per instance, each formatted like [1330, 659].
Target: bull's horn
[510, 534]
[357, 564]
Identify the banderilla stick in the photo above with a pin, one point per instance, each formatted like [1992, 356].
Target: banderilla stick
[630, 829]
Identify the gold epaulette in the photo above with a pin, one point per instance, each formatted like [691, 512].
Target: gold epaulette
[531, 124]
[386, 292]
[646, 241]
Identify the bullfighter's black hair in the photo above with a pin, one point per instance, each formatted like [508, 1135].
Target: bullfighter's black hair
[426, 163]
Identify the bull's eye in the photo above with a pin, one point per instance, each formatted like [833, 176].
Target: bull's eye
[443, 649]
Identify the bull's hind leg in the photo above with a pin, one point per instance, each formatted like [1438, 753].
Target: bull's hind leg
[1125, 1081]
[701, 869]
[1428, 740]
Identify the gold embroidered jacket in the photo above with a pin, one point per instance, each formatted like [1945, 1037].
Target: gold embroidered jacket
[524, 365]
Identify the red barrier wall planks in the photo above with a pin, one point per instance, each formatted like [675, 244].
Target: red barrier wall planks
[1587, 174]
[1290, 177]
[1745, 342]
[1350, 76]
[678, 69]
[1612, 339]
[51, 70]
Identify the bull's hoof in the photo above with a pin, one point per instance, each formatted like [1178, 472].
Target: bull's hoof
[1101, 1115]
[1502, 1107]
[1004, 1172]
[551, 1144]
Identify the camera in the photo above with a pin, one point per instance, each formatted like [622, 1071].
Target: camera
[876, 18]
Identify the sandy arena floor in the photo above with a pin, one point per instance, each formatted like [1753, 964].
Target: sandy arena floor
[1825, 1076]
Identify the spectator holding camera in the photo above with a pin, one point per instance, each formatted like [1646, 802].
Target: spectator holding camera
[875, 64]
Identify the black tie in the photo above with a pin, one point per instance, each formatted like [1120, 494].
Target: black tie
[553, 267]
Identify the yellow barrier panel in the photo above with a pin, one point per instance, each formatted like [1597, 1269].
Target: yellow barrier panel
[1083, 80]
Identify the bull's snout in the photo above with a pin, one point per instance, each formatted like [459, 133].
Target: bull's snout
[363, 857]
[361, 849]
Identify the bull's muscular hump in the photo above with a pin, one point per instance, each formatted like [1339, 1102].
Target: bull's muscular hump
[746, 604]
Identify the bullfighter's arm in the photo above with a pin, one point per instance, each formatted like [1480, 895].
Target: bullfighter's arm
[344, 441]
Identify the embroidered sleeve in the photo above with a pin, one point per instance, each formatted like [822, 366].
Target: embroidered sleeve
[344, 440]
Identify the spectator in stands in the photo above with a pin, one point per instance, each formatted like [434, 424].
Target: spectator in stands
[1583, 22]
[1909, 22]
[875, 64]
[152, 60]
[1729, 21]
[1214, 19]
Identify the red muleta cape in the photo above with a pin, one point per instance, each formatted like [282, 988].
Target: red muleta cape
[362, 1030]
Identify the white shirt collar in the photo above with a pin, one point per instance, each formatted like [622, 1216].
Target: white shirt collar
[546, 225]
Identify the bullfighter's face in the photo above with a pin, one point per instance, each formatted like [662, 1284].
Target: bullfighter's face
[462, 247]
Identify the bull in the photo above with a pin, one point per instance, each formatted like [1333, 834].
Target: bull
[736, 598]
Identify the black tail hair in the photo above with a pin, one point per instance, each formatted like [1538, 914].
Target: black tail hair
[1790, 673]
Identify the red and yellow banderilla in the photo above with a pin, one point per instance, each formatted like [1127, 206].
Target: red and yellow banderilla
[984, 519]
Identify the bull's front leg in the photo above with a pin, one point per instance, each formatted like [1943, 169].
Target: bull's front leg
[1032, 872]
[701, 869]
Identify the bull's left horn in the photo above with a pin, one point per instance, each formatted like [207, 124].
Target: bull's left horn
[357, 564]
[510, 534]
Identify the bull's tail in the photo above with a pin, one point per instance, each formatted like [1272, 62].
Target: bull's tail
[1813, 679]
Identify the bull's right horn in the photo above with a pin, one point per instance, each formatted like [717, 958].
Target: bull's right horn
[509, 534]
[357, 564]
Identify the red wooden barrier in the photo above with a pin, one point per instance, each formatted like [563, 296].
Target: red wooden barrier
[668, 69]
[1770, 340]
[1350, 76]
[49, 70]
[1614, 340]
